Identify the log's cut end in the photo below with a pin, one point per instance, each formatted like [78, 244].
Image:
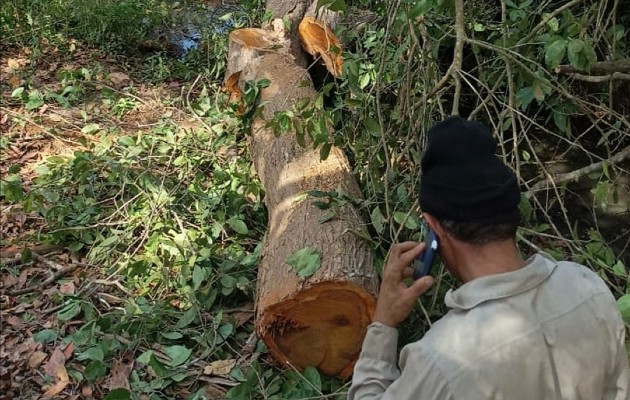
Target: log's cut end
[322, 326]
[254, 38]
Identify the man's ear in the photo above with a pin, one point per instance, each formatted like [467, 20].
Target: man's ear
[434, 224]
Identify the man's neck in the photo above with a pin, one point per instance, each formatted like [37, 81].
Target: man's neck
[473, 262]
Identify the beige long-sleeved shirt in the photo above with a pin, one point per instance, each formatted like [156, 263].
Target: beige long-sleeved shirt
[550, 330]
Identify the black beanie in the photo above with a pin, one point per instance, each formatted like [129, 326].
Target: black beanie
[462, 178]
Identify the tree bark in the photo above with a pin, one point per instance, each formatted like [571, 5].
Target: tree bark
[321, 320]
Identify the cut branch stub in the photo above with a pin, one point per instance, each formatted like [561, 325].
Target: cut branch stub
[318, 40]
[247, 44]
[232, 88]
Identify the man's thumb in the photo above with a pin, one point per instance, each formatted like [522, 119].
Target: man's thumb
[421, 285]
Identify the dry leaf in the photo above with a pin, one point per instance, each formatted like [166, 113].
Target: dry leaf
[57, 388]
[15, 322]
[86, 390]
[15, 64]
[118, 78]
[220, 367]
[67, 288]
[119, 376]
[14, 81]
[56, 367]
[36, 359]
[214, 392]
[240, 318]
[317, 39]
[8, 280]
[67, 352]
[56, 362]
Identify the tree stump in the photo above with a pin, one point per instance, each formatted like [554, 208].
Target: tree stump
[321, 320]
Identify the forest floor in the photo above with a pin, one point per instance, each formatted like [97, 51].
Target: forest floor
[98, 95]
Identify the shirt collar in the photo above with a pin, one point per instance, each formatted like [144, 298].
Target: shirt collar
[536, 270]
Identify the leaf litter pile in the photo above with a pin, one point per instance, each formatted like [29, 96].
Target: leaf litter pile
[130, 226]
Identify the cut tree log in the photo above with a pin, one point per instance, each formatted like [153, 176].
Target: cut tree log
[321, 320]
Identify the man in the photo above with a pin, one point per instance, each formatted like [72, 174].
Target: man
[517, 329]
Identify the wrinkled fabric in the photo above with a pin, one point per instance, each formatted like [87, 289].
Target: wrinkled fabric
[550, 330]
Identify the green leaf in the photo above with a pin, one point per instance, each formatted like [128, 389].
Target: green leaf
[525, 208]
[34, 102]
[525, 96]
[229, 283]
[93, 353]
[561, 120]
[178, 354]
[378, 220]
[399, 216]
[328, 215]
[555, 52]
[619, 269]
[145, 357]
[333, 5]
[159, 368]
[373, 127]
[94, 370]
[187, 318]
[171, 335]
[198, 276]
[69, 311]
[118, 394]
[575, 47]
[306, 261]
[624, 307]
[26, 256]
[324, 151]
[226, 330]
[553, 24]
[312, 375]
[17, 92]
[45, 336]
[75, 246]
[238, 226]
[90, 128]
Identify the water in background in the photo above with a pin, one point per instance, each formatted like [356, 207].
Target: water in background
[191, 20]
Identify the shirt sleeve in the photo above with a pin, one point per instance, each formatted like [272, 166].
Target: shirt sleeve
[618, 385]
[376, 376]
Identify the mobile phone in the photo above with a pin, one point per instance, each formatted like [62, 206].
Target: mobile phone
[423, 263]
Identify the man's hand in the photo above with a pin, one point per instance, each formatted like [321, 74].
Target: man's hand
[395, 299]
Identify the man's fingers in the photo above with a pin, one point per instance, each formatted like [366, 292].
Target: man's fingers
[408, 272]
[420, 286]
[408, 256]
[400, 248]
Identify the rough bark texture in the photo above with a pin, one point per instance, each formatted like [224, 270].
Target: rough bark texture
[319, 321]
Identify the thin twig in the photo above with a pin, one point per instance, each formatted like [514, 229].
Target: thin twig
[602, 67]
[600, 78]
[39, 287]
[578, 173]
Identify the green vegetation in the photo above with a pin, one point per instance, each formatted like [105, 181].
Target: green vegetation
[146, 181]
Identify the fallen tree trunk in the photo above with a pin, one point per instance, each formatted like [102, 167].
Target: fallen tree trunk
[319, 320]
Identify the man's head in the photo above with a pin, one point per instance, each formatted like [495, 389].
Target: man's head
[465, 187]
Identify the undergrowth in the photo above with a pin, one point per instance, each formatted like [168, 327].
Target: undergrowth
[171, 217]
